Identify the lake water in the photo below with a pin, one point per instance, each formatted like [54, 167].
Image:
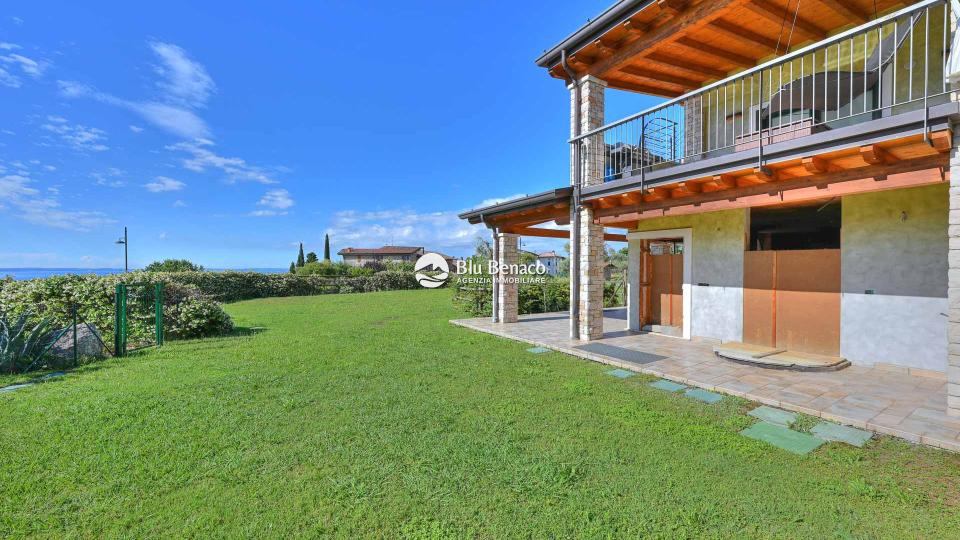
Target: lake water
[33, 273]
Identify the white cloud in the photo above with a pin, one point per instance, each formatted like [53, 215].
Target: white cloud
[436, 230]
[276, 198]
[179, 204]
[266, 213]
[112, 177]
[176, 120]
[163, 184]
[183, 80]
[14, 61]
[9, 46]
[16, 20]
[163, 236]
[136, 129]
[27, 203]
[202, 158]
[79, 137]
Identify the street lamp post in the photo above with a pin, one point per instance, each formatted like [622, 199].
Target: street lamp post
[126, 264]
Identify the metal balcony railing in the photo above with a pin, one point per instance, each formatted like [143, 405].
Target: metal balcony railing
[888, 66]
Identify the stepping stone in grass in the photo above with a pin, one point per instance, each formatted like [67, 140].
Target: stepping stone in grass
[781, 437]
[846, 434]
[538, 350]
[13, 387]
[703, 395]
[621, 373]
[669, 386]
[774, 416]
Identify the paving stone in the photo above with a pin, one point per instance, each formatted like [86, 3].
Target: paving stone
[781, 437]
[538, 350]
[669, 386]
[703, 395]
[774, 416]
[835, 432]
[621, 373]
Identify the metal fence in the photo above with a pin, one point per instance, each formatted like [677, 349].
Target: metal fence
[894, 64]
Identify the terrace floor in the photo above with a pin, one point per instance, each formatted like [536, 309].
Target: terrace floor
[883, 400]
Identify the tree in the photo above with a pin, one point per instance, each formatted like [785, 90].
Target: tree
[173, 265]
[293, 268]
[311, 257]
[483, 250]
[326, 247]
[300, 260]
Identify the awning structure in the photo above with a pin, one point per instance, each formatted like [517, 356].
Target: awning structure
[521, 216]
[670, 47]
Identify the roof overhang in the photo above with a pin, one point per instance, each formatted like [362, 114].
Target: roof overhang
[613, 16]
[529, 204]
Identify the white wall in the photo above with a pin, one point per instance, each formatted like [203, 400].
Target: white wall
[904, 262]
[718, 240]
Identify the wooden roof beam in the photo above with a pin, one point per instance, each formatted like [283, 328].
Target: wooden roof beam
[777, 14]
[848, 9]
[873, 154]
[640, 73]
[642, 88]
[684, 65]
[693, 17]
[712, 50]
[672, 7]
[737, 33]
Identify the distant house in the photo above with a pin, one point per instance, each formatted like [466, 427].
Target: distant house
[360, 256]
[551, 260]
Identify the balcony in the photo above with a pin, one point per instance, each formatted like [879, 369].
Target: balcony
[882, 81]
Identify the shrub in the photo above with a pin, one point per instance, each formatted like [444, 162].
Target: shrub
[551, 295]
[173, 265]
[196, 318]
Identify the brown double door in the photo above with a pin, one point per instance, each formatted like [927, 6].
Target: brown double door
[666, 290]
[791, 300]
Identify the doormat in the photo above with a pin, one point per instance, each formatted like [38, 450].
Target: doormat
[621, 353]
[703, 395]
[845, 434]
[538, 350]
[781, 437]
[621, 373]
[669, 386]
[774, 416]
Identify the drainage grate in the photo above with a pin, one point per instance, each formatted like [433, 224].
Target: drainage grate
[621, 353]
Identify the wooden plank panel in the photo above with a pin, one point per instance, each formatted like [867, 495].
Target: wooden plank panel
[758, 298]
[676, 289]
[808, 301]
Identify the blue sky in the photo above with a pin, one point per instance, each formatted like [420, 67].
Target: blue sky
[227, 132]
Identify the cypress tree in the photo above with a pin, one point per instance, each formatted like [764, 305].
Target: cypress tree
[300, 260]
[293, 268]
[326, 247]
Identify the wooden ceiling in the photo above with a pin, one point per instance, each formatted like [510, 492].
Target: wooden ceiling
[672, 47]
[874, 162]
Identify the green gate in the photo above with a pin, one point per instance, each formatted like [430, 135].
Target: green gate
[138, 317]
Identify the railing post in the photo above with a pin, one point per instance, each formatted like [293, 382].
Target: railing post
[158, 312]
[76, 358]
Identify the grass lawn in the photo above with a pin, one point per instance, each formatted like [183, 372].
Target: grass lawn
[370, 415]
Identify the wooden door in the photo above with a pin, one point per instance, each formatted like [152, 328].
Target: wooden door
[666, 290]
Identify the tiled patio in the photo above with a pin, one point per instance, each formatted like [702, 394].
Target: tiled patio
[882, 400]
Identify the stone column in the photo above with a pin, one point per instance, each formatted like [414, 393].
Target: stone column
[953, 283]
[633, 285]
[591, 234]
[508, 249]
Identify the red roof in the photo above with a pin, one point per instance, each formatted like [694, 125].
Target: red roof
[385, 250]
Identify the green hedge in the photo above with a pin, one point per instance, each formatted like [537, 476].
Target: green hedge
[191, 299]
[550, 296]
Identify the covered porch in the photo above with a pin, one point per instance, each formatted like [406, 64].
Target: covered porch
[893, 401]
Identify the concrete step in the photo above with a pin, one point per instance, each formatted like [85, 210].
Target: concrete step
[771, 357]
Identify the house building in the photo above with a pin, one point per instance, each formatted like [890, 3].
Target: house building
[360, 256]
[551, 261]
[797, 192]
